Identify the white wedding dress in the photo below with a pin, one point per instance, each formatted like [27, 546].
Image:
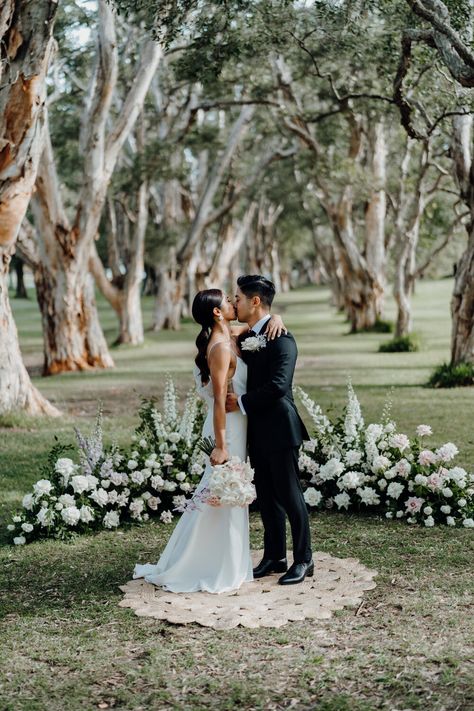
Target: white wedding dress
[209, 548]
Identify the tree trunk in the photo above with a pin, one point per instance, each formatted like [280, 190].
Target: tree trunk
[462, 302]
[169, 300]
[16, 390]
[21, 292]
[25, 48]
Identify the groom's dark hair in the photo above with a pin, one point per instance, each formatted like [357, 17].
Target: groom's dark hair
[257, 285]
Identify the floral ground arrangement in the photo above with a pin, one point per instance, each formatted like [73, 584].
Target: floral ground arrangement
[346, 465]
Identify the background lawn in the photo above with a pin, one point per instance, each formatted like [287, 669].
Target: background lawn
[409, 646]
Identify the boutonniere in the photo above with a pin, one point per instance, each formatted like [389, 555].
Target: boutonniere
[254, 343]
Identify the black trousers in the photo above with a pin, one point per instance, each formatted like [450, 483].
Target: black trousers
[279, 494]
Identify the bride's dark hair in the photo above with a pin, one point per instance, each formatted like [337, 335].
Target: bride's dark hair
[203, 306]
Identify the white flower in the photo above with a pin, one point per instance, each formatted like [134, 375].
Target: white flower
[447, 492]
[462, 503]
[168, 460]
[166, 517]
[10, 527]
[100, 496]
[468, 523]
[28, 502]
[180, 476]
[400, 514]
[42, 487]
[16, 519]
[310, 445]
[136, 507]
[332, 469]
[350, 480]
[117, 478]
[132, 464]
[389, 514]
[424, 431]
[380, 463]
[403, 468]
[254, 343]
[67, 500]
[197, 469]
[447, 452]
[428, 510]
[368, 496]
[79, 483]
[394, 490]
[170, 486]
[157, 482]
[153, 502]
[383, 445]
[342, 500]
[111, 519]
[93, 481]
[414, 504]
[429, 521]
[87, 514]
[19, 540]
[137, 477]
[399, 441]
[27, 527]
[66, 468]
[426, 457]
[185, 486]
[312, 496]
[174, 437]
[458, 475]
[105, 483]
[445, 509]
[450, 521]
[421, 479]
[382, 484]
[45, 516]
[143, 443]
[178, 500]
[353, 457]
[71, 515]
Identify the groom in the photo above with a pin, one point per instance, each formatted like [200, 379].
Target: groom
[275, 433]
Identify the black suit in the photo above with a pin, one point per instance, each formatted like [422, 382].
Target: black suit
[275, 433]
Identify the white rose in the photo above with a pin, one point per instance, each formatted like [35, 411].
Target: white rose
[394, 490]
[400, 514]
[185, 486]
[166, 517]
[92, 481]
[382, 484]
[342, 500]
[468, 523]
[27, 527]
[445, 509]
[10, 527]
[170, 486]
[429, 521]
[132, 464]
[67, 500]
[42, 487]
[86, 514]
[180, 476]
[19, 540]
[79, 483]
[100, 496]
[389, 514]
[28, 502]
[312, 496]
[462, 503]
[153, 502]
[447, 492]
[16, 519]
[71, 515]
[428, 510]
[450, 521]
[350, 480]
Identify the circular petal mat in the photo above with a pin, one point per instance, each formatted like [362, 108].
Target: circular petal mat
[337, 583]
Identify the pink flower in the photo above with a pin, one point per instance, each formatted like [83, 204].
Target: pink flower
[434, 481]
[414, 504]
[426, 457]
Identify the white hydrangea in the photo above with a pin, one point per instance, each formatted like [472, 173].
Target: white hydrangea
[342, 500]
[350, 480]
[447, 492]
[368, 496]
[312, 496]
[111, 519]
[331, 470]
[395, 489]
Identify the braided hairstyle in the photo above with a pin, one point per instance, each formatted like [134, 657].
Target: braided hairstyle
[203, 306]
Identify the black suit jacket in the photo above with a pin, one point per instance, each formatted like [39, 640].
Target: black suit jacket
[273, 420]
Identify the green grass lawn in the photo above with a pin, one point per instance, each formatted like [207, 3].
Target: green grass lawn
[65, 642]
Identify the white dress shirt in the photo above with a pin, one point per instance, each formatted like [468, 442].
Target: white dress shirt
[257, 328]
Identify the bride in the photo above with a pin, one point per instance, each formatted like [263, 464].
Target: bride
[209, 547]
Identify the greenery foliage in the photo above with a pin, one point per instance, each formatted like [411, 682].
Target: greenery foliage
[452, 376]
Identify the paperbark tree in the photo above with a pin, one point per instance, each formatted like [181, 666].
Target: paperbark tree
[25, 49]
[72, 334]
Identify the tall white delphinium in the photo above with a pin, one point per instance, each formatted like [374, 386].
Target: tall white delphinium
[353, 421]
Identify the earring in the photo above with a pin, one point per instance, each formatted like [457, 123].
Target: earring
[220, 317]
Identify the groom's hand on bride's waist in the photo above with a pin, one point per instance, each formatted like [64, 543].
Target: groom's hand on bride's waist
[232, 402]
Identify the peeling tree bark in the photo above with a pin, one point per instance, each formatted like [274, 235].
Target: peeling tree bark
[25, 50]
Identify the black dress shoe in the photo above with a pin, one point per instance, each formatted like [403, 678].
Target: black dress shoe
[268, 566]
[297, 573]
